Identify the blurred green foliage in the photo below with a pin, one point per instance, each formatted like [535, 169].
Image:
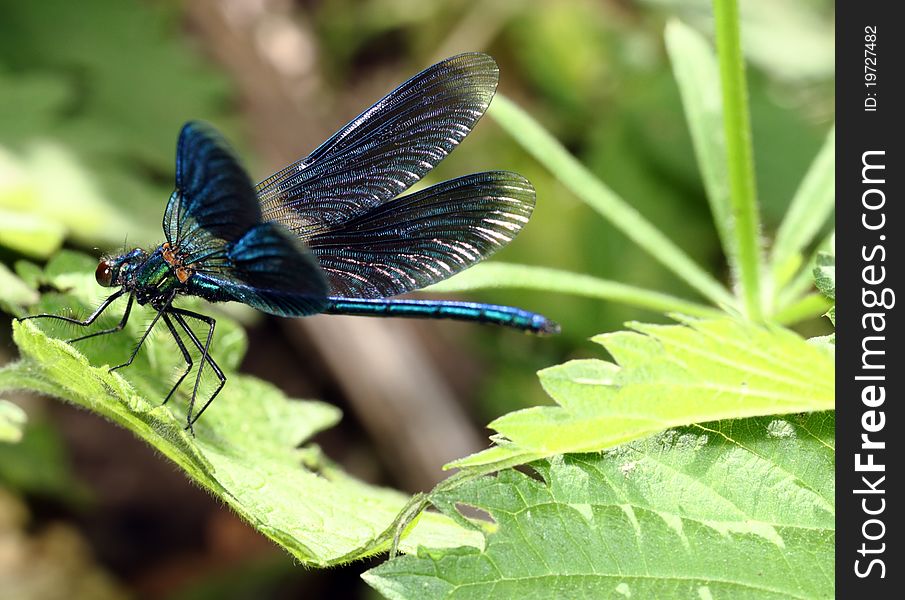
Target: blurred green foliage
[108, 84]
[12, 421]
[37, 465]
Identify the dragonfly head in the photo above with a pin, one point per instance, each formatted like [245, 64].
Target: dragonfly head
[116, 270]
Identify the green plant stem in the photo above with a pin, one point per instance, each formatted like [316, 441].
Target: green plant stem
[549, 152]
[740, 157]
[809, 307]
[502, 275]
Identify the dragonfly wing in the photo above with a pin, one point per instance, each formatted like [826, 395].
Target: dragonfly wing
[384, 150]
[424, 237]
[267, 268]
[213, 220]
[214, 201]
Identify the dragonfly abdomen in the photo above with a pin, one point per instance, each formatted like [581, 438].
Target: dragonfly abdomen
[444, 309]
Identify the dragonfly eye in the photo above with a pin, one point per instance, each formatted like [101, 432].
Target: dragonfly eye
[104, 274]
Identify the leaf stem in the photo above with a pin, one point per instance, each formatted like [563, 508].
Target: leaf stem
[737, 124]
[809, 307]
[502, 275]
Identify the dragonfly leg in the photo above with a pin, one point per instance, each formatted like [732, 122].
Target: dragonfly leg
[144, 336]
[91, 318]
[118, 327]
[205, 356]
[185, 355]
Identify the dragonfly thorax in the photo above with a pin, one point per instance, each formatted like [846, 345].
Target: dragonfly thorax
[150, 278]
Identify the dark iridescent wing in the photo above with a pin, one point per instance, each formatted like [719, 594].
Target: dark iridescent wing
[267, 268]
[213, 220]
[383, 151]
[424, 237]
[214, 201]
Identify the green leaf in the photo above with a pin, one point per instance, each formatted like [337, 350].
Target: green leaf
[549, 152]
[247, 447]
[810, 208]
[12, 421]
[495, 275]
[695, 67]
[664, 376]
[737, 509]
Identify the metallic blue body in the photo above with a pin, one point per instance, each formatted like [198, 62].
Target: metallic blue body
[508, 316]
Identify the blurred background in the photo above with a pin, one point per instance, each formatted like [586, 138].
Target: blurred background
[92, 96]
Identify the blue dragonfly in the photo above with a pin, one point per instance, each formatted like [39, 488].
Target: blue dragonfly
[329, 233]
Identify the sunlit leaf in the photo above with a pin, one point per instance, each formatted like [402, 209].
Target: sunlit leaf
[665, 376]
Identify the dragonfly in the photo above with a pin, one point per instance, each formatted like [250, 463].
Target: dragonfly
[333, 233]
